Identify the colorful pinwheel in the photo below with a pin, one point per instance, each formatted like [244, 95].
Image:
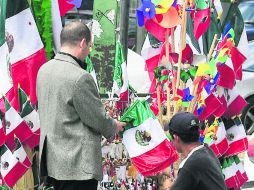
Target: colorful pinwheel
[147, 9]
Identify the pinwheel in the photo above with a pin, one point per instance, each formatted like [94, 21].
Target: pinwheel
[184, 97]
[147, 9]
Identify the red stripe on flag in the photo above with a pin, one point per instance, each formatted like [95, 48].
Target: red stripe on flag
[156, 159]
[23, 132]
[64, 7]
[235, 107]
[237, 147]
[220, 148]
[34, 140]
[15, 174]
[24, 72]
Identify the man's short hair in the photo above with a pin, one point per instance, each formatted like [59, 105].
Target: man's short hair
[74, 32]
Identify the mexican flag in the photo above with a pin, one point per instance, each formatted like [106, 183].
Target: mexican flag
[120, 84]
[220, 144]
[148, 147]
[241, 174]
[11, 169]
[237, 138]
[90, 69]
[21, 155]
[15, 125]
[229, 175]
[28, 113]
[151, 52]
[2, 131]
[22, 51]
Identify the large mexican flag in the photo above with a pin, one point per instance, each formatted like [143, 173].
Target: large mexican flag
[148, 147]
[21, 49]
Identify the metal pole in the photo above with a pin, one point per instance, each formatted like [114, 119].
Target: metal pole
[140, 38]
[124, 24]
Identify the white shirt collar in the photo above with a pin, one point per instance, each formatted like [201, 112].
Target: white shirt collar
[191, 152]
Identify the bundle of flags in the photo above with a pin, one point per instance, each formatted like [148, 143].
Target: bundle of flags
[149, 149]
[234, 173]
[17, 129]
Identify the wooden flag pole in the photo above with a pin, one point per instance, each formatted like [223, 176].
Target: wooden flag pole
[195, 89]
[167, 62]
[181, 47]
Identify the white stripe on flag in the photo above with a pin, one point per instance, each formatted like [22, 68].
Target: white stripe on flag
[5, 78]
[148, 51]
[56, 24]
[221, 133]
[20, 154]
[26, 37]
[13, 118]
[238, 133]
[94, 77]
[34, 118]
[153, 127]
[10, 159]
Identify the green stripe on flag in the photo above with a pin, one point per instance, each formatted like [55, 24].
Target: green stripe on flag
[27, 109]
[7, 104]
[119, 59]
[15, 6]
[3, 149]
[137, 113]
[89, 65]
[18, 144]
[3, 4]
[22, 98]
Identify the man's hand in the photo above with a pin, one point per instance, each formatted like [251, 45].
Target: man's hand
[120, 126]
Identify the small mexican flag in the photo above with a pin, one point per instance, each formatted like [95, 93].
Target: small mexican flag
[237, 138]
[120, 84]
[229, 175]
[31, 117]
[15, 125]
[21, 154]
[220, 144]
[241, 174]
[11, 169]
[148, 147]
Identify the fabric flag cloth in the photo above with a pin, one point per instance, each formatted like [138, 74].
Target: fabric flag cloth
[148, 147]
[237, 138]
[11, 169]
[120, 79]
[2, 131]
[212, 103]
[90, 69]
[220, 144]
[15, 125]
[21, 154]
[25, 51]
[56, 24]
[29, 114]
[241, 174]
[235, 103]
[234, 169]
[229, 175]
[151, 54]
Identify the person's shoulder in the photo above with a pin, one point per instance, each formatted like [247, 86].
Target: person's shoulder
[84, 77]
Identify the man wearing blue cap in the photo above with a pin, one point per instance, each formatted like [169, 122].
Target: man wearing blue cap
[200, 169]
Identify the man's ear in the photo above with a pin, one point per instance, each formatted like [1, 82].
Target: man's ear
[82, 43]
